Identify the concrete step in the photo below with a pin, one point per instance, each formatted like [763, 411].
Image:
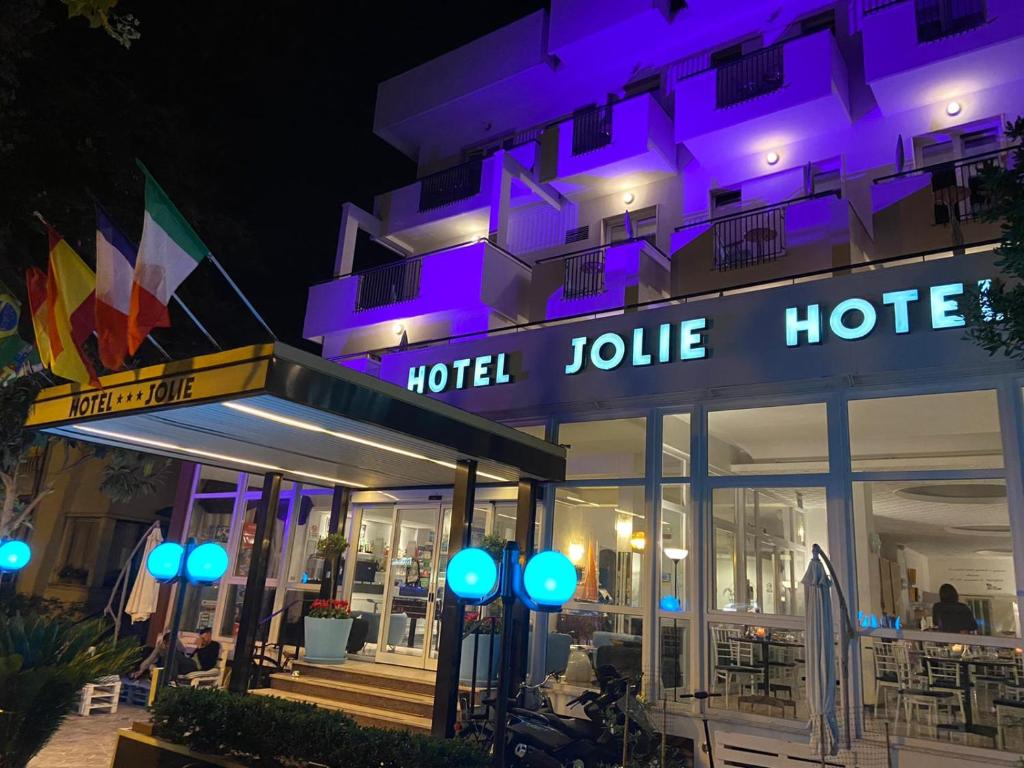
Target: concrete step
[372, 696]
[361, 714]
[379, 676]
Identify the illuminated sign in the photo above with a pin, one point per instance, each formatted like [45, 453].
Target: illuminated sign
[482, 371]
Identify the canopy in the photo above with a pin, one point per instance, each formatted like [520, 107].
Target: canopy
[821, 659]
[271, 407]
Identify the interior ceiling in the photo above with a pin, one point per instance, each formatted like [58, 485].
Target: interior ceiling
[356, 454]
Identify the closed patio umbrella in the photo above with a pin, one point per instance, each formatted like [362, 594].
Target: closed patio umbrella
[142, 600]
[821, 659]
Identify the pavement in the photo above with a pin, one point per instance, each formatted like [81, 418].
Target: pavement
[87, 742]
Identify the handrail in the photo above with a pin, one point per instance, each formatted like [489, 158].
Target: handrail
[870, 6]
[601, 247]
[739, 214]
[712, 67]
[280, 610]
[949, 163]
[677, 299]
[421, 256]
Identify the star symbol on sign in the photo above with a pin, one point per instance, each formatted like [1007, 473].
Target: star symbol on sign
[129, 397]
[138, 395]
[120, 398]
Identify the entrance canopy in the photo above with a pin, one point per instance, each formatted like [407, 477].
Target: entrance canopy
[273, 408]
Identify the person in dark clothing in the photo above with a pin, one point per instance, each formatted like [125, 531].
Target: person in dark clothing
[158, 658]
[207, 650]
[950, 615]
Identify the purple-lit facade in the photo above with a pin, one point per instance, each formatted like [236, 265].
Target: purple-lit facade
[712, 252]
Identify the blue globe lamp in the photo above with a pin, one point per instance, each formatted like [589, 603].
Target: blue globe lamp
[206, 563]
[550, 579]
[164, 562]
[14, 555]
[472, 574]
[670, 603]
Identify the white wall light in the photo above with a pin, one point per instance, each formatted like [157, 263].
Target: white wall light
[953, 108]
[772, 158]
[628, 198]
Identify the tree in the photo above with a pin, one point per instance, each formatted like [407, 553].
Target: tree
[995, 313]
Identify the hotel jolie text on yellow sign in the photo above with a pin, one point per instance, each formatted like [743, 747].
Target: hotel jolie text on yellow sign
[210, 377]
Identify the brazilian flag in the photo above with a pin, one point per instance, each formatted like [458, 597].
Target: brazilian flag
[16, 354]
[10, 312]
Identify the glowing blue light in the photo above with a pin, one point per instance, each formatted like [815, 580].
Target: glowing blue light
[670, 603]
[550, 578]
[14, 555]
[164, 562]
[868, 318]
[206, 563]
[472, 574]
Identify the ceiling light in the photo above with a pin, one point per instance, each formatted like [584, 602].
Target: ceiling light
[628, 198]
[675, 554]
[771, 158]
[398, 328]
[953, 108]
[624, 526]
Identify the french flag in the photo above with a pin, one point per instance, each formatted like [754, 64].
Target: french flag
[115, 267]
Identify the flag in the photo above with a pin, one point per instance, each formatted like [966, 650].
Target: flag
[115, 264]
[39, 305]
[169, 251]
[10, 312]
[71, 306]
[15, 355]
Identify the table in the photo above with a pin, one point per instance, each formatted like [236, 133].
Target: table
[766, 698]
[966, 683]
[759, 236]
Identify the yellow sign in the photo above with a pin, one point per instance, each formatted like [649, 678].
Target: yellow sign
[210, 377]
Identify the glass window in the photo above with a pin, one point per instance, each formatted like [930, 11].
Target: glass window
[314, 516]
[914, 537]
[604, 449]
[956, 430]
[675, 548]
[248, 536]
[536, 430]
[371, 556]
[762, 543]
[595, 638]
[675, 445]
[674, 656]
[217, 480]
[235, 596]
[603, 532]
[784, 439]
[758, 669]
[200, 607]
[211, 519]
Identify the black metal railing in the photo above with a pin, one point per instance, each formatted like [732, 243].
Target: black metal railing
[755, 74]
[450, 185]
[591, 129]
[960, 191]
[941, 18]
[870, 6]
[748, 239]
[583, 274]
[389, 284]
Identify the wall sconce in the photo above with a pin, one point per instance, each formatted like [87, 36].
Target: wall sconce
[575, 552]
[772, 158]
[628, 198]
[953, 108]
[398, 329]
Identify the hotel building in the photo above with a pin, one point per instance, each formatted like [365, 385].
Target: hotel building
[714, 250]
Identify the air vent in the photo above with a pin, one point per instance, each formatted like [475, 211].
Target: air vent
[577, 235]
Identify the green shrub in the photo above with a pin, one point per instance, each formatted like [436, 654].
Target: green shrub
[264, 731]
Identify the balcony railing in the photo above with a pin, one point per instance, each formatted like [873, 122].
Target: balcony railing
[389, 284]
[755, 74]
[591, 129]
[450, 185]
[870, 6]
[584, 274]
[941, 18]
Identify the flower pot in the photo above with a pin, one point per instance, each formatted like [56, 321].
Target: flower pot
[326, 640]
[488, 654]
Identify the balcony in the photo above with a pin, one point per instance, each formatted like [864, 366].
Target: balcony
[600, 146]
[464, 289]
[919, 52]
[778, 95]
[598, 279]
[776, 241]
[934, 207]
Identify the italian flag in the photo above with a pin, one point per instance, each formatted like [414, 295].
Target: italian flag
[169, 251]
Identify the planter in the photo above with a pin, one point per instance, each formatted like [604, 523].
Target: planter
[134, 750]
[326, 640]
[488, 655]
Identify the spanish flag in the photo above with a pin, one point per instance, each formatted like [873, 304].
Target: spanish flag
[71, 302]
[35, 279]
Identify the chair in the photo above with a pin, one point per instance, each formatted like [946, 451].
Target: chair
[886, 674]
[734, 661]
[398, 627]
[357, 635]
[916, 695]
[557, 657]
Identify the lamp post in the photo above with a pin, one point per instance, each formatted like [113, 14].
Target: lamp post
[14, 555]
[171, 563]
[544, 585]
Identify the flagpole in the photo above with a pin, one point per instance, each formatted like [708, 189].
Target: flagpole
[156, 344]
[241, 295]
[195, 320]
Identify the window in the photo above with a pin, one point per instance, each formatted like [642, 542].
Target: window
[783, 439]
[314, 516]
[956, 430]
[78, 549]
[643, 224]
[725, 201]
[675, 445]
[596, 638]
[676, 546]
[604, 449]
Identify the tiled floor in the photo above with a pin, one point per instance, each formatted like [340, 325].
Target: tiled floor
[87, 742]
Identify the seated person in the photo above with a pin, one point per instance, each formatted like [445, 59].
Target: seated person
[950, 615]
[207, 651]
[158, 658]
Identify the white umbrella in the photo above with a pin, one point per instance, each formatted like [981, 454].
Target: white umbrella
[142, 600]
[821, 659]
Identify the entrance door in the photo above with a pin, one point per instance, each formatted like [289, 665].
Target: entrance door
[417, 560]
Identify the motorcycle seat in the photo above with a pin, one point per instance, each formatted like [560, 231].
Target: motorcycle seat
[572, 727]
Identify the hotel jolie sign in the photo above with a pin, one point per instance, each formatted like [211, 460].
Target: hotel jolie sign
[850, 319]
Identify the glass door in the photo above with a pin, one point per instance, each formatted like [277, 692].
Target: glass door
[413, 564]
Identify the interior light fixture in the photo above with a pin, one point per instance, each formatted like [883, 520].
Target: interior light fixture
[638, 541]
[624, 526]
[628, 198]
[398, 329]
[310, 427]
[576, 551]
[953, 108]
[210, 455]
[772, 158]
[675, 554]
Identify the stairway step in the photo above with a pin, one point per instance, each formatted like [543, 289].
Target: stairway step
[363, 715]
[372, 675]
[387, 699]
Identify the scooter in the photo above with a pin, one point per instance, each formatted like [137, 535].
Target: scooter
[701, 696]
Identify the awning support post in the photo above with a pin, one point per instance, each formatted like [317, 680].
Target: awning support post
[449, 646]
[339, 511]
[526, 522]
[249, 619]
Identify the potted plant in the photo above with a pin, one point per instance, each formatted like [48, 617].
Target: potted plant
[327, 626]
[331, 547]
[480, 638]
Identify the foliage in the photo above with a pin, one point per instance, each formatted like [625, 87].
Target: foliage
[44, 662]
[129, 475]
[492, 544]
[100, 14]
[995, 315]
[482, 626]
[12, 603]
[16, 397]
[329, 609]
[264, 731]
[332, 545]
